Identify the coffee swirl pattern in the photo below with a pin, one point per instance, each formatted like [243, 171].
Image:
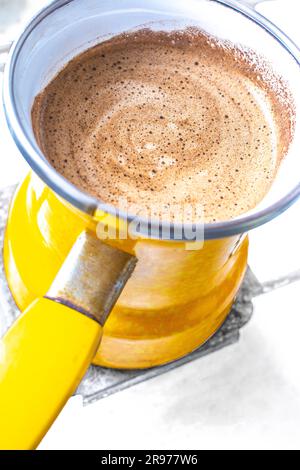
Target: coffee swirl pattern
[163, 120]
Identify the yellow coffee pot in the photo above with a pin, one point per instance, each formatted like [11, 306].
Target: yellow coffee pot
[177, 296]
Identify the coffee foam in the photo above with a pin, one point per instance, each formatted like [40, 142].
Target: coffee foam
[167, 119]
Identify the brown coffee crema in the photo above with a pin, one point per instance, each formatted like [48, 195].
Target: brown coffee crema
[163, 120]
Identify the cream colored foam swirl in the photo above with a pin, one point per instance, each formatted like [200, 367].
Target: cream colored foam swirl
[163, 121]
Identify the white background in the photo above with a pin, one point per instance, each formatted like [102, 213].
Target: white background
[246, 396]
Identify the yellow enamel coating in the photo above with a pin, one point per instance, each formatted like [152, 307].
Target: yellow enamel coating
[43, 358]
[175, 300]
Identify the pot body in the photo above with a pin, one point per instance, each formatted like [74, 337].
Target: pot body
[174, 302]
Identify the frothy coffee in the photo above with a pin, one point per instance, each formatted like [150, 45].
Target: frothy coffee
[167, 118]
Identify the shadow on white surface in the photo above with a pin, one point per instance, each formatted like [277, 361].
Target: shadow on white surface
[239, 398]
[249, 385]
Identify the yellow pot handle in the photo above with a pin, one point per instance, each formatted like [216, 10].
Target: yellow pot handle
[43, 358]
[46, 353]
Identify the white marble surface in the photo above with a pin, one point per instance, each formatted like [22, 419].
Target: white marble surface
[244, 397]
